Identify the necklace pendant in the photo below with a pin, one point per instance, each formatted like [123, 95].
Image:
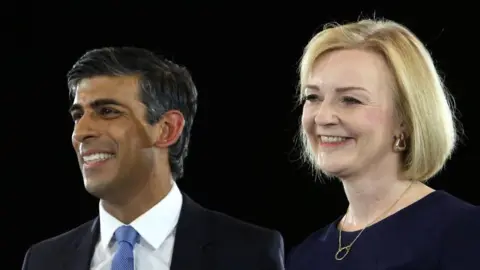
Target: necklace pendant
[342, 253]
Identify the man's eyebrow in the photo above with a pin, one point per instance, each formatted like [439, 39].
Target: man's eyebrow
[96, 103]
[75, 107]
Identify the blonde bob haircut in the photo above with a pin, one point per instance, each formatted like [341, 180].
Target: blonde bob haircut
[421, 100]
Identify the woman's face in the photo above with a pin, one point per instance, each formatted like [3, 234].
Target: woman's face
[348, 114]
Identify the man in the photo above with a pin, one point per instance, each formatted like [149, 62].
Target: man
[133, 113]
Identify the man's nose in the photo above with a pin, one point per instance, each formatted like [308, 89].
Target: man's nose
[326, 114]
[85, 128]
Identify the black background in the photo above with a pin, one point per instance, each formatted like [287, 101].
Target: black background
[243, 59]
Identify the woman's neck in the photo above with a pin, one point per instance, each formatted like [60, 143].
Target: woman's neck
[372, 199]
[371, 194]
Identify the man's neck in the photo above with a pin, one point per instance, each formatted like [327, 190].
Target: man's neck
[139, 201]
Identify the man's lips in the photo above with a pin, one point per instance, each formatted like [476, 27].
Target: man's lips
[95, 158]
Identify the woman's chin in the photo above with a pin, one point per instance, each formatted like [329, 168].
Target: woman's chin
[334, 170]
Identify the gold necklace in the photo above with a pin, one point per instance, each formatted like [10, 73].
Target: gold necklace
[346, 249]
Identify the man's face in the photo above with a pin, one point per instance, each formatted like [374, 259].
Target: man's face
[111, 136]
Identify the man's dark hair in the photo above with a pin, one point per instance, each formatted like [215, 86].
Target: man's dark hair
[163, 86]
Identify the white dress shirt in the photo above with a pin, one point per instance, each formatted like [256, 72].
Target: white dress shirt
[157, 235]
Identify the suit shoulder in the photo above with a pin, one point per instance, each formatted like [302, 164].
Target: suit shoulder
[301, 251]
[237, 239]
[42, 254]
[229, 225]
[64, 238]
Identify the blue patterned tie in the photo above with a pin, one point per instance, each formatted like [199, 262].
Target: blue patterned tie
[126, 237]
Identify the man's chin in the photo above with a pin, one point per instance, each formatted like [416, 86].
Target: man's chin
[96, 187]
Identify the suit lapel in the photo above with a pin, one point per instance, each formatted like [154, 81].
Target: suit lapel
[84, 246]
[192, 237]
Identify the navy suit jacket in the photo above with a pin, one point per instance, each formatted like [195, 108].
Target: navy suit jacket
[204, 240]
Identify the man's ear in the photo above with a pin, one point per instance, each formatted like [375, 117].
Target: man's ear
[170, 128]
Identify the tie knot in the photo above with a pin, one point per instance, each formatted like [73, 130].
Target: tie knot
[126, 234]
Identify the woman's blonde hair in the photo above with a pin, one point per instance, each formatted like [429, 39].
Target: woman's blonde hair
[421, 100]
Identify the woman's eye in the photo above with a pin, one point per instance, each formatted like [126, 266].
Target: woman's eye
[311, 97]
[351, 100]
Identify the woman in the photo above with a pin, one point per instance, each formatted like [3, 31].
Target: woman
[376, 116]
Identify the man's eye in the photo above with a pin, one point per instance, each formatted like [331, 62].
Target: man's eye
[76, 116]
[108, 111]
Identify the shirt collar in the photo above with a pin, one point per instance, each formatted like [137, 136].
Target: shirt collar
[153, 226]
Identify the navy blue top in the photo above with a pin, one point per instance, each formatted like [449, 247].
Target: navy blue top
[437, 232]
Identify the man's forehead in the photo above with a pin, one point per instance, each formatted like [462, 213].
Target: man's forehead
[107, 81]
[104, 87]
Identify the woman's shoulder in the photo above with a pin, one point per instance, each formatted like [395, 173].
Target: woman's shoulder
[452, 207]
[438, 206]
[461, 213]
[444, 216]
[459, 247]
